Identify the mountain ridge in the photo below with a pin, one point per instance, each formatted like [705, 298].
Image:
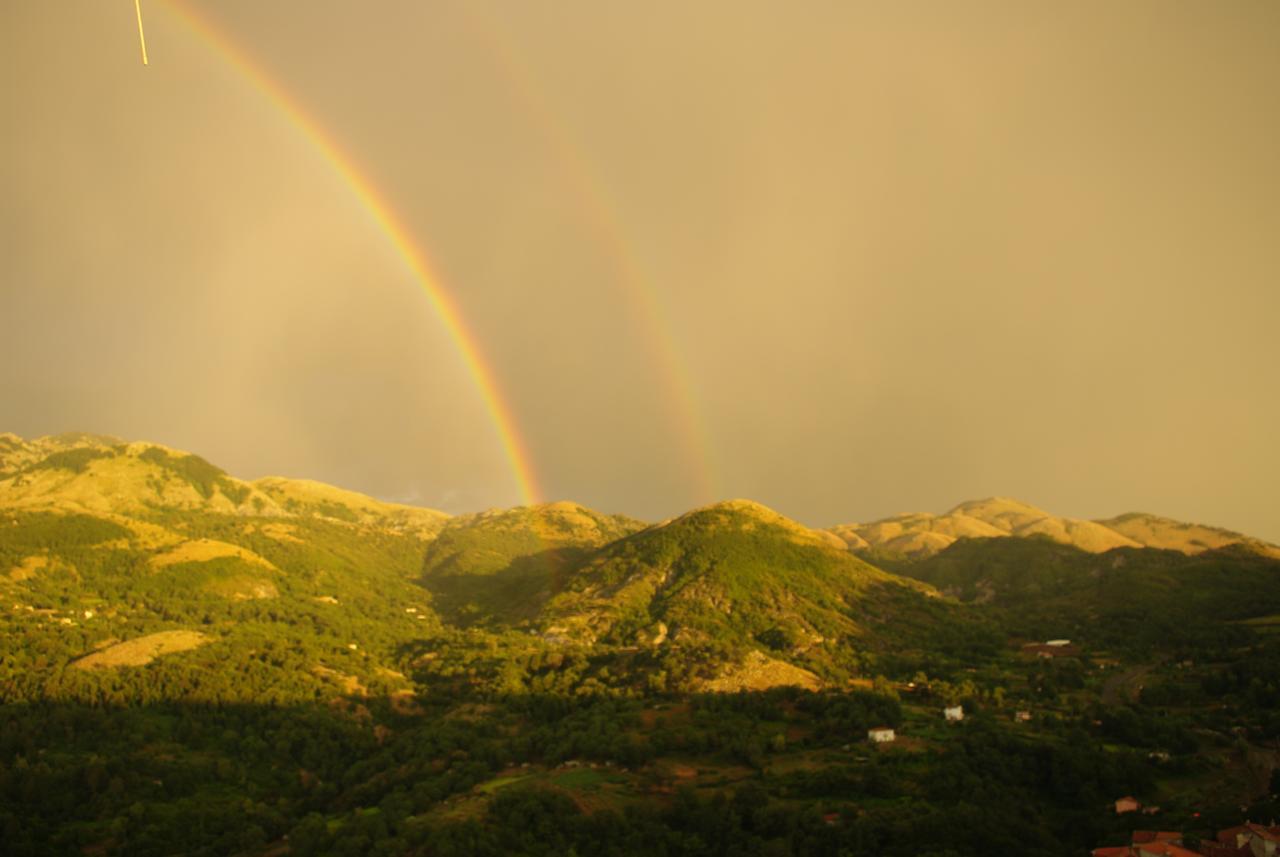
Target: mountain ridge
[734, 592]
[106, 475]
[918, 535]
[595, 654]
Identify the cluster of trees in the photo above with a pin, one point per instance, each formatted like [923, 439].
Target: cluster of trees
[22, 532]
[232, 778]
[198, 473]
[157, 776]
[1247, 678]
[333, 585]
[1132, 600]
[76, 460]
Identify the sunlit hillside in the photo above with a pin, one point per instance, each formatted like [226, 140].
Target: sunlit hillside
[94, 473]
[106, 542]
[923, 534]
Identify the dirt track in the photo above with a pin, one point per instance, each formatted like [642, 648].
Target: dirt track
[1126, 686]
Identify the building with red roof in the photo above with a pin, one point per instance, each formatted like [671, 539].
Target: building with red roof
[1163, 849]
[1146, 849]
[1245, 840]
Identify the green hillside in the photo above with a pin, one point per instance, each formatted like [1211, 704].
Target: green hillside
[737, 577]
[500, 566]
[283, 601]
[300, 591]
[728, 571]
[199, 664]
[1127, 597]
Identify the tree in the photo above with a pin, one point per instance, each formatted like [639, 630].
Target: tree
[309, 836]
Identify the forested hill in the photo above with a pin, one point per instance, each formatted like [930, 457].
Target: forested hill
[199, 664]
[122, 555]
[296, 589]
[1137, 599]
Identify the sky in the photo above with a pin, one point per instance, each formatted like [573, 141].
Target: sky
[846, 259]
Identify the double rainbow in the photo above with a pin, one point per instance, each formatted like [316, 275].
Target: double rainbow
[601, 218]
[590, 198]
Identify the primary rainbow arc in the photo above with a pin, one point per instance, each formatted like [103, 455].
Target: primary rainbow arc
[389, 222]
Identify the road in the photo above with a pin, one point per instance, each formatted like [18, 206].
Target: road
[1125, 686]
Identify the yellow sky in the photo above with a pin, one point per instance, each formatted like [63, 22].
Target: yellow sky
[904, 253]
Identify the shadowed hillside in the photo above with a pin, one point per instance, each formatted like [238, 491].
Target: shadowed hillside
[1132, 597]
[501, 565]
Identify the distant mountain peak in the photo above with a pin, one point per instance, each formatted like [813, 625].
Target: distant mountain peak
[918, 535]
[1003, 512]
[746, 514]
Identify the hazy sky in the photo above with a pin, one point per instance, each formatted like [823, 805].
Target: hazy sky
[896, 255]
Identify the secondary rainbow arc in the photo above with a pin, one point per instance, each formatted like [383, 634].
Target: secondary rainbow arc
[401, 238]
[601, 218]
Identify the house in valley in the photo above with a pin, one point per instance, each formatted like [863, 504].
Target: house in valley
[1245, 840]
[1128, 803]
[1149, 843]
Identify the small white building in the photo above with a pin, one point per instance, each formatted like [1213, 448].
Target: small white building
[880, 735]
[1057, 643]
[1022, 716]
[953, 714]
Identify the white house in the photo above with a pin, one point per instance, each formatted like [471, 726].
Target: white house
[953, 713]
[880, 735]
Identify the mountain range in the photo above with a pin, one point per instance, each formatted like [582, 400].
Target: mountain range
[151, 539]
[918, 535]
[196, 663]
[97, 473]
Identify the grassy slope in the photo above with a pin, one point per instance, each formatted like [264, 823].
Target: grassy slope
[109, 477]
[102, 541]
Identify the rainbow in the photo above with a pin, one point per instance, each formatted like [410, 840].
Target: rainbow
[588, 191]
[382, 212]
